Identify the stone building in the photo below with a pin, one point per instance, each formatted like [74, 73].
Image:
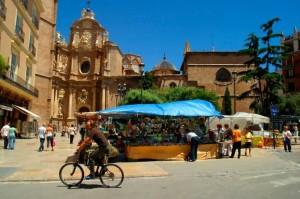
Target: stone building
[291, 69]
[43, 73]
[214, 71]
[166, 75]
[19, 46]
[88, 70]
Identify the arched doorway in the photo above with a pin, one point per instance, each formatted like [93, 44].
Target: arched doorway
[83, 109]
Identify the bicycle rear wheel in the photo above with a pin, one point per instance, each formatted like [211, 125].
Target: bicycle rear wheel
[71, 174]
[111, 175]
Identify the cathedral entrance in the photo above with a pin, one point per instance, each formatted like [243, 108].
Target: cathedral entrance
[83, 109]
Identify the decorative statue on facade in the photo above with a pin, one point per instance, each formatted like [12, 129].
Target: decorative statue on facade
[61, 94]
[63, 62]
[83, 96]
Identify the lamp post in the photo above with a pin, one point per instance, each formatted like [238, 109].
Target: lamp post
[141, 66]
[122, 88]
[234, 77]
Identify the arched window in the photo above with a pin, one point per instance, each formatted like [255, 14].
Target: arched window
[223, 75]
[85, 67]
[172, 85]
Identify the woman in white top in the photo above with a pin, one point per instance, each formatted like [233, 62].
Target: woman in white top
[287, 136]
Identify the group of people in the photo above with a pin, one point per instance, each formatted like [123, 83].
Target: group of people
[46, 133]
[9, 133]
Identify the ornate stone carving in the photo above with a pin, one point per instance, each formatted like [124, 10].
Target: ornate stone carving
[83, 96]
[61, 94]
[63, 63]
[85, 39]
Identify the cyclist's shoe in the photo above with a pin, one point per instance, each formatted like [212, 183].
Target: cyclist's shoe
[90, 177]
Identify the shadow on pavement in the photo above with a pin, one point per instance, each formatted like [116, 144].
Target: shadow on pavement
[88, 186]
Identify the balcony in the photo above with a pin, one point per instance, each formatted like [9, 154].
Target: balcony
[20, 33]
[2, 10]
[32, 49]
[20, 83]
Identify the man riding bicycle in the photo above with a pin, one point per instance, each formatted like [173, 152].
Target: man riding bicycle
[100, 154]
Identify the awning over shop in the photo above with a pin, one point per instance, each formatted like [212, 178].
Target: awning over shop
[188, 108]
[25, 111]
[7, 108]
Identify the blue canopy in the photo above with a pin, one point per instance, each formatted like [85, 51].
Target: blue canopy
[187, 108]
[143, 109]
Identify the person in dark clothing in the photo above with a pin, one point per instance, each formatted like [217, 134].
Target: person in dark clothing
[194, 140]
[94, 134]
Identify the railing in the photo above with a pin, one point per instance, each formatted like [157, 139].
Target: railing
[2, 9]
[32, 50]
[35, 21]
[20, 33]
[20, 83]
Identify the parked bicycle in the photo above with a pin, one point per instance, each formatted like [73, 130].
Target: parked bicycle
[72, 173]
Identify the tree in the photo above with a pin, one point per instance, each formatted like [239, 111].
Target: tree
[227, 103]
[169, 95]
[148, 81]
[263, 54]
[290, 104]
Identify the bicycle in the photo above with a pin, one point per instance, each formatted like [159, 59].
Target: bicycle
[72, 173]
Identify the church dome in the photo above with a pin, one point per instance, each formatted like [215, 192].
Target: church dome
[164, 65]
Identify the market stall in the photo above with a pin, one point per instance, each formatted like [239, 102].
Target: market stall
[157, 132]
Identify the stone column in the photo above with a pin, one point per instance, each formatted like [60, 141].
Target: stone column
[94, 99]
[52, 102]
[56, 102]
[70, 108]
[103, 105]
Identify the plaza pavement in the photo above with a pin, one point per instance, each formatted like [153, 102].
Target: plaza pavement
[25, 163]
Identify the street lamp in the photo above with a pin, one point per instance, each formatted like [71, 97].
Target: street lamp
[234, 77]
[122, 88]
[141, 66]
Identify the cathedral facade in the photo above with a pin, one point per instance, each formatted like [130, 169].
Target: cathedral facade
[88, 70]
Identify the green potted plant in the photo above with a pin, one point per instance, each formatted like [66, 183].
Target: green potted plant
[3, 65]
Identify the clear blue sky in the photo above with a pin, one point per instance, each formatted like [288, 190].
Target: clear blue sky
[151, 27]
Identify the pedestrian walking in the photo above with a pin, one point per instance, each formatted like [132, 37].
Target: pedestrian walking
[41, 136]
[72, 132]
[287, 136]
[49, 136]
[12, 137]
[237, 140]
[194, 140]
[227, 140]
[248, 141]
[4, 134]
[296, 132]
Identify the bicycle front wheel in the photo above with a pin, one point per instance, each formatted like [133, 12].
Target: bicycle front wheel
[71, 174]
[111, 175]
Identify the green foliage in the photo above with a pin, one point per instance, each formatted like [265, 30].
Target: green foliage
[227, 103]
[264, 53]
[148, 81]
[3, 64]
[134, 97]
[169, 95]
[290, 104]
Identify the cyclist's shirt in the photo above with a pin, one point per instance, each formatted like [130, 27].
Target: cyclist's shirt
[98, 137]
